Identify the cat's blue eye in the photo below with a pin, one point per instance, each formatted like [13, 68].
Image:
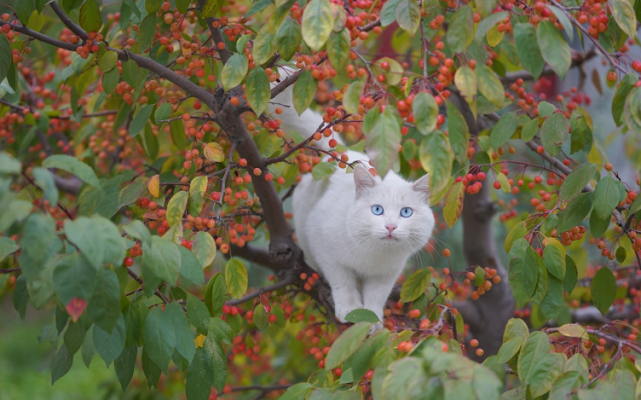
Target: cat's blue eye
[406, 212]
[377, 210]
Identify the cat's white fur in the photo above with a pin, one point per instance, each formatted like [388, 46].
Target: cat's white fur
[360, 254]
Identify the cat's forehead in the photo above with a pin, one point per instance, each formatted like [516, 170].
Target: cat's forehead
[394, 190]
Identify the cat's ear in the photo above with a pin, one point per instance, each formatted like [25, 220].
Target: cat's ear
[363, 179]
[423, 186]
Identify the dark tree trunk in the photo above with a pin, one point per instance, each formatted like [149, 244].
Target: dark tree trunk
[488, 315]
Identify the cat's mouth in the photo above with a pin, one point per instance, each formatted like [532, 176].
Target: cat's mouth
[390, 237]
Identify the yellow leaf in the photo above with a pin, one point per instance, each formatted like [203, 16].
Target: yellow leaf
[213, 152]
[505, 183]
[454, 204]
[200, 339]
[573, 330]
[154, 186]
[494, 37]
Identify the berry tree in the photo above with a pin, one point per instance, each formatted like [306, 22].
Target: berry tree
[141, 174]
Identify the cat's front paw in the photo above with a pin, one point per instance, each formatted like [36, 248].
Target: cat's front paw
[376, 327]
[342, 311]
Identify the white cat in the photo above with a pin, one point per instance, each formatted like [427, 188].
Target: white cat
[357, 230]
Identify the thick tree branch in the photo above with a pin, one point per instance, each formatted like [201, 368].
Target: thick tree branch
[78, 31]
[283, 252]
[216, 35]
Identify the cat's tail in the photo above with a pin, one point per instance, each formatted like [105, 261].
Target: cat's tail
[306, 124]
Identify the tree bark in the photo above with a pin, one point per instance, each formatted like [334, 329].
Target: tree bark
[488, 315]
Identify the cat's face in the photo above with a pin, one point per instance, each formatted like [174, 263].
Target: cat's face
[393, 214]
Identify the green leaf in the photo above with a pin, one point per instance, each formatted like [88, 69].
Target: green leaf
[236, 278]
[485, 8]
[177, 132]
[459, 32]
[352, 97]
[61, 364]
[298, 391]
[73, 166]
[620, 95]
[125, 365]
[160, 338]
[383, 138]
[436, 159]
[197, 189]
[138, 230]
[554, 132]
[575, 212]
[509, 349]
[200, 376]
[218, 359]
[260, 317]
[97, 238]
[576, 181]
[408, 16]
[553, 300]
[215, 294]
[176, 208]
[323, 170]
[523, 271]
[234, 71]
[453, 206]
[190, 267]
[571, 275]
[44, 179]
[90, 17]
[162, 112]
[140, 120]
[103, 307]
[74, 277]
[152, 5]
[110, 345]
[346, 344]
[7, 246]
[6, 58]
[74, 336]
[425, 112]
[490, 86]
[317, 23]
[545, 109]
[624, 15]
[580, 133]
[529, 130]
[535, 349]
[554, 48]
[162, 259]
[606, 197]
[184, 338]
[130, 193]
[388, 12]
[415, 285]
[222, 330]
[603, 288]
[393, 74]
[288, 39]
[204, 248]
[198, 314]
[338, 48]
[108, 61]
[503, 130]
[304, 91]
[563, 20]
[361, 315]
[459, 133]
[263, 46]
[554, 259]
[544, 373]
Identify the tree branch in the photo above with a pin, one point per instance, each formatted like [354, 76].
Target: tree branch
[78, 31]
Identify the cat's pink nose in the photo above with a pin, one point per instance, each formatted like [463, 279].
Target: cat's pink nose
[390, 228]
